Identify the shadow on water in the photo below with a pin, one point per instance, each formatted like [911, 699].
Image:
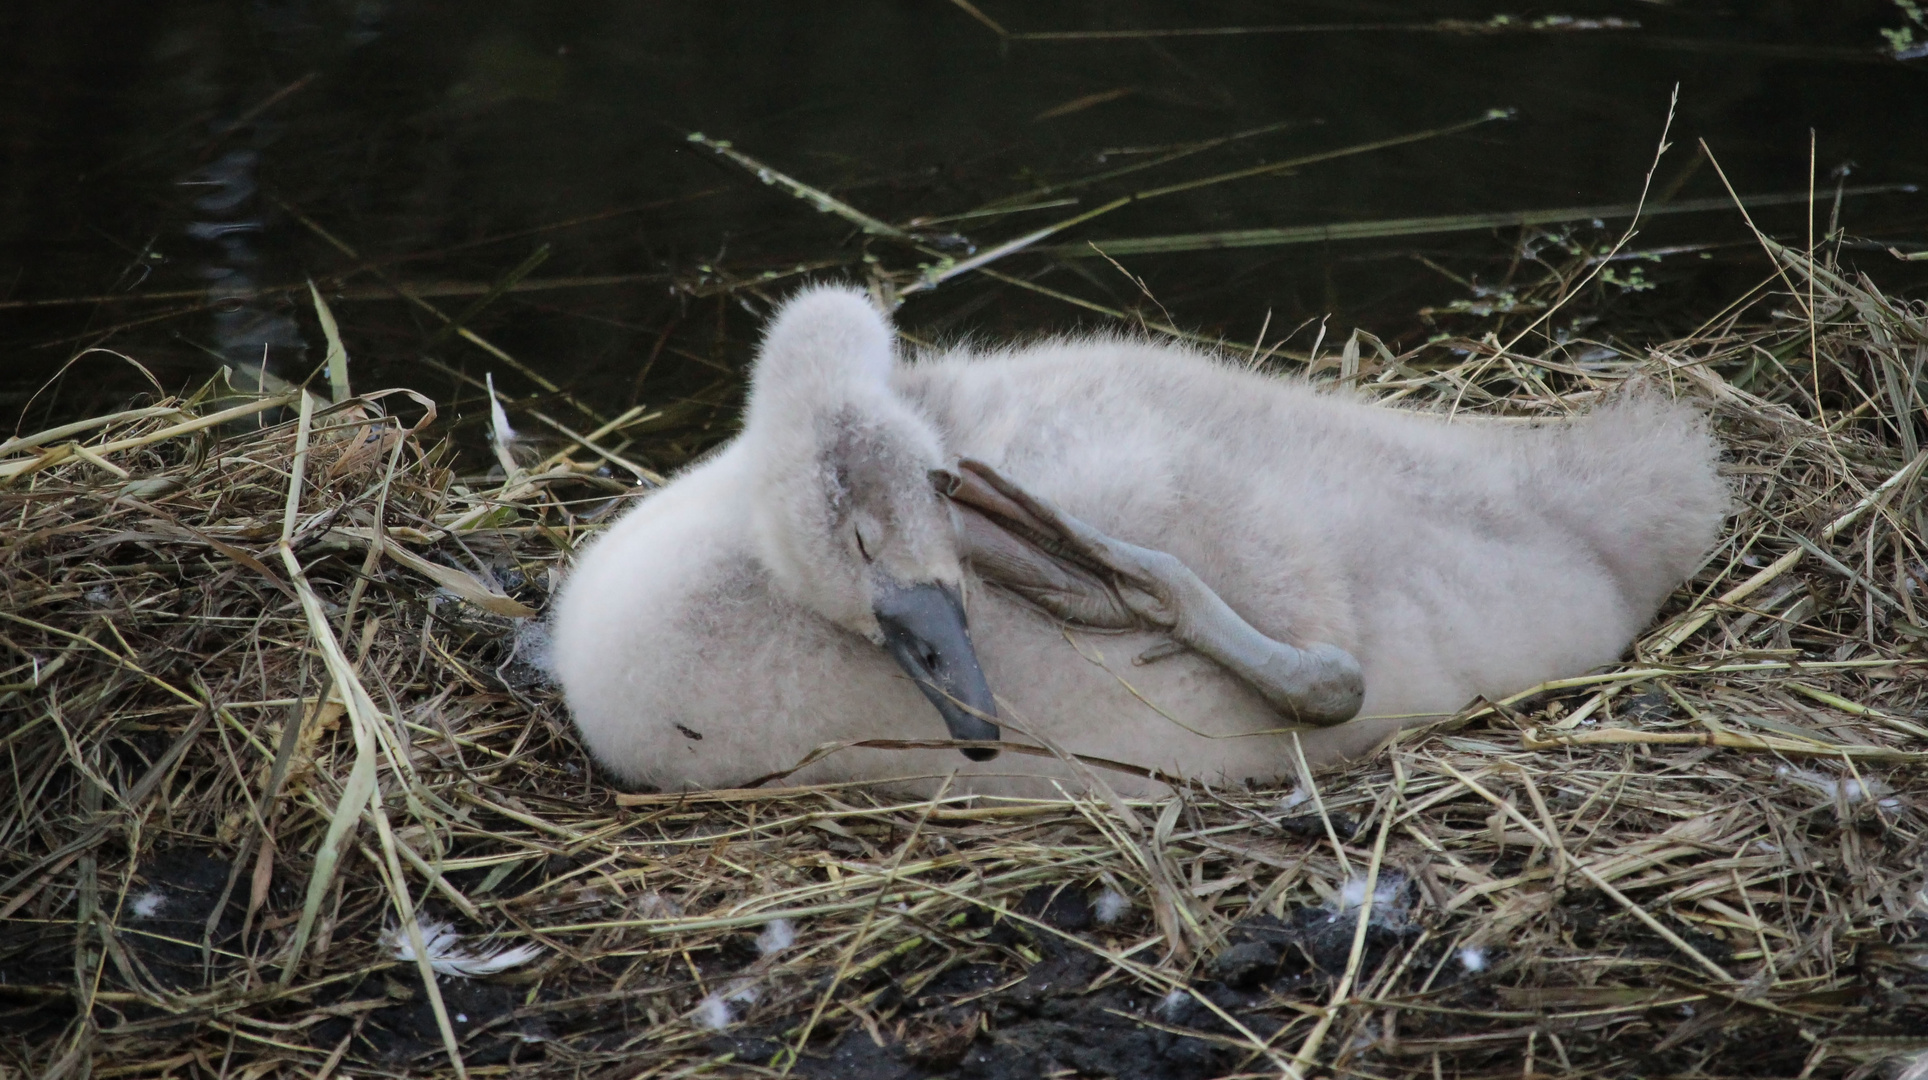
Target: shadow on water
[175, 171]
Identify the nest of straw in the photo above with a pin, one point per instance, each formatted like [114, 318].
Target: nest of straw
[287, 792]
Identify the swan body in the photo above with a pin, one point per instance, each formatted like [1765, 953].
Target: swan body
[740, 617]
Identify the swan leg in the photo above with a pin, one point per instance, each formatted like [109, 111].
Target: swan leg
[1319, 684]
[1063, 588]
[1158, 652]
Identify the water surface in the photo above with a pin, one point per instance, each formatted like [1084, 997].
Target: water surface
[172, 169]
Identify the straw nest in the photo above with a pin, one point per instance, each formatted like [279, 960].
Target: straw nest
[277, 743]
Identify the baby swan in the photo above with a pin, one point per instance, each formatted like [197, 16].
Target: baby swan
[719, 613]
[807, 585]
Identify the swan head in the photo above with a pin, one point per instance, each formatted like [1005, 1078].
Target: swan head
[846, 512]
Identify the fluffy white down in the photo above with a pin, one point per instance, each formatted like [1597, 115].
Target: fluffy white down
[1453, 559]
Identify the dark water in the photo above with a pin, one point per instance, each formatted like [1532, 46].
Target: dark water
[172, 166]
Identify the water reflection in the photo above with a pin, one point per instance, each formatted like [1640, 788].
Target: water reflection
[247, 335]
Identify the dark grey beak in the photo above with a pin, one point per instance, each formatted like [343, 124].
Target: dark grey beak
[925, 633]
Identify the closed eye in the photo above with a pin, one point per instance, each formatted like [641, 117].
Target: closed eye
[863, 548]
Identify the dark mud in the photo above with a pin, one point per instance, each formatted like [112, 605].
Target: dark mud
[178, 926]
[977, 1021]
[388, 1021]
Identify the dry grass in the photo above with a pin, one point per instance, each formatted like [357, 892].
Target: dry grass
[264, 697]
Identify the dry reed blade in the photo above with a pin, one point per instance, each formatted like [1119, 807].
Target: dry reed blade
[1428, 226]
[335, 362]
